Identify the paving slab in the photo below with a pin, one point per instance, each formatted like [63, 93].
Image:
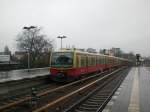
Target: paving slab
[134, 93]
[21, 74]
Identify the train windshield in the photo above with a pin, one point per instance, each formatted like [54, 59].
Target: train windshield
[62, 59]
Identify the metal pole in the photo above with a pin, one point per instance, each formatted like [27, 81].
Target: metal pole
[28, 61]
[61, 43]
[61, 37]
[28, 28]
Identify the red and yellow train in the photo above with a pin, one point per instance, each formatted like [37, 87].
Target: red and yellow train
[68, 65]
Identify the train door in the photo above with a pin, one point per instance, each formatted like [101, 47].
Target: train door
[77, 61]
[87, 63]
[104, 61]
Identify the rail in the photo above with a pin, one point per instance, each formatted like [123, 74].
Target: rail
[63, 99]
[49, 91]
[84, 85]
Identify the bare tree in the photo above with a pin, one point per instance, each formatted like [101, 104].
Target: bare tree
[32, 41]
[6, 50]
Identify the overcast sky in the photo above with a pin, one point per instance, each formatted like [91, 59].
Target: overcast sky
[86, 23]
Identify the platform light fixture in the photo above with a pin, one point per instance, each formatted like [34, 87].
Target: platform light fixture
[61, 37]
[29, 28]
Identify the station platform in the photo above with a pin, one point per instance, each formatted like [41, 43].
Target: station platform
[134, 93]
[22, 74]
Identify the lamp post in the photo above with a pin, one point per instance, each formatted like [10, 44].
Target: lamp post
[28, 28]
[61, 37]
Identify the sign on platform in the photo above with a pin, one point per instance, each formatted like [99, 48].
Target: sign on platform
[4, 58]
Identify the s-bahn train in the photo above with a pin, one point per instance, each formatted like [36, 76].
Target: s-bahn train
[67, 65]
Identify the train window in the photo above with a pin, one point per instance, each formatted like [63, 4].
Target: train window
[102, 60]
[118, 61]
[98, 60]
[87, 58]
[62, 59]
[83, 61]
[93, 60]
[109, 60]
[89, 61]
[106, 60]
[115, 61]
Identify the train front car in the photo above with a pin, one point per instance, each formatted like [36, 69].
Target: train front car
[62, 66]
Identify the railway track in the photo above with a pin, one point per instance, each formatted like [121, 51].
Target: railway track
[53, 99]
[14, 101]
[12, 96]
[96, 100]
[60, 104]
[24, 91]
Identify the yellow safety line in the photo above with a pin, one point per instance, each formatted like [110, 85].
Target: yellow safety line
[134, 99]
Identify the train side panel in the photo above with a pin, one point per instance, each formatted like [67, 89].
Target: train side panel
[84, 63]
